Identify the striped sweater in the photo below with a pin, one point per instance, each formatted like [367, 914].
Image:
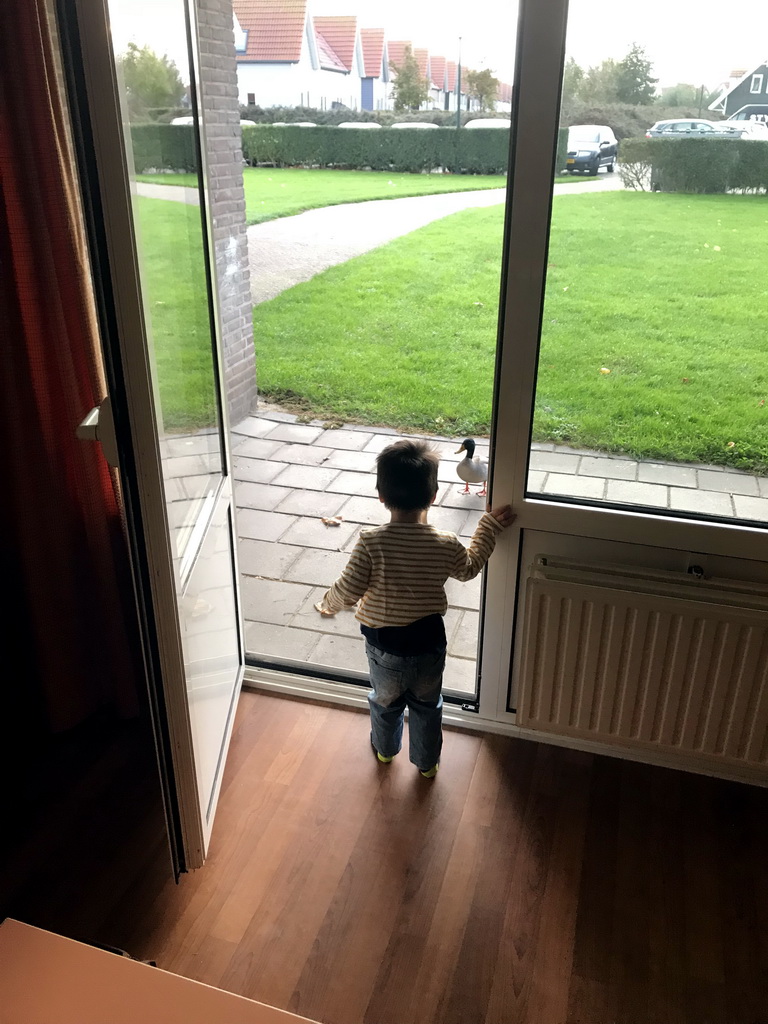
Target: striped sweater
[398, 571]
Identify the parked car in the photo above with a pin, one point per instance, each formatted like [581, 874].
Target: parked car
[689, 127]
[590, 147]
[413, 124]
[749, 129]
[488, 122]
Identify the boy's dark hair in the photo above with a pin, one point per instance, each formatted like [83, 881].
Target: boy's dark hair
[406, 475]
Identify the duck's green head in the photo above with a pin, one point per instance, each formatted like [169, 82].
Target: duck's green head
[468, 446]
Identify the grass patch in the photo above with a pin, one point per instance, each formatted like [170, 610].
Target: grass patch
[175, 292]
[271, 192]
[405, 335]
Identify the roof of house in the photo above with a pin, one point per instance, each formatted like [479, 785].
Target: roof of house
[437, 69]
[372, 42]
[737, 77]
[450, 75]
[397, 51]
[275, 29]
[422, 59]
[340, 33]
[329, 59]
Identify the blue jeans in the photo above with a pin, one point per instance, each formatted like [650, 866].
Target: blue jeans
[414, 682]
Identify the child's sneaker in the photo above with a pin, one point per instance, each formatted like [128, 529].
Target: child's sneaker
[384, 760]
[430, 773]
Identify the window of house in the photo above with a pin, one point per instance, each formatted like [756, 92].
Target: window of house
[757, 83]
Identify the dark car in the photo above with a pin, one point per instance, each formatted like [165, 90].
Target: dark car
[590, 147]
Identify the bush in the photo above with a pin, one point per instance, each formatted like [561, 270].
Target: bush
[694, 165]
[481, 151]
[442, 118]
[164, 147]
[627, 122]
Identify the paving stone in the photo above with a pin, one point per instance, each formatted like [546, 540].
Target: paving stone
[341, 652]
[260, 525]
[358, 462]
[464, 595]
[734, 483]
[614, 469]
[313, 478]
[312, 503]
[379, 442]
[453, 498]
[194, 444]
[714, 503]
[565, 449]
[295, 432]
[280, 641]
[174, 488]
[263, 496]
[762, 483]
[575, 486]
[354, 483]
[265, 558]
[277, 415]
[446, 518]
[181, 513]
[751, 508]
[631, 493]
[187, 465]
[536, 480]
[317, 567]
[193, 486]
[302, 454]
[538, 446]
[254, 426]
[659, 473]
[351, 440]
[460, 675]
[257, 470]
[312, 533]
[554, 462]
[272, 600]
[255, 448]
[364, 510]
[463, 643]
[343, 623]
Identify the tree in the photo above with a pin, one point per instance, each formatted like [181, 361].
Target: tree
[410, 89]
[573, 77]
[634, 83]
[482, 86]
[150, 81]
[600, 83]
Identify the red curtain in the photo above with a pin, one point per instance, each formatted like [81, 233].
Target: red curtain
[61, 514]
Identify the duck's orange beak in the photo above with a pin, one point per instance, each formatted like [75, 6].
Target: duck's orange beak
[462, 449]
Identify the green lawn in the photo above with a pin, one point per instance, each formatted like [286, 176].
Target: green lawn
[272, 193]
[405, 335]
[176, 301]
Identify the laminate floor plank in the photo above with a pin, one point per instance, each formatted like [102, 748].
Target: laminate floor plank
[526, 883]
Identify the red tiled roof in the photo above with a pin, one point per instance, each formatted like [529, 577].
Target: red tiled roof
[450, 75]
[275, 29]
[372, 41]
[327, 56]
[396, 51]
[437, 68]
[422, 57]
[340, 34]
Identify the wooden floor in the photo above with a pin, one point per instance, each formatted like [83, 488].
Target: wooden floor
[526, 883]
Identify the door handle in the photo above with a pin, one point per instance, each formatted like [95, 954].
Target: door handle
[99, 426]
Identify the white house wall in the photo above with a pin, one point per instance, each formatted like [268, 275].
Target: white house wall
[294, 85]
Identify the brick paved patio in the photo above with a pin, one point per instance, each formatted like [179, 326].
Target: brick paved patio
[289, 474]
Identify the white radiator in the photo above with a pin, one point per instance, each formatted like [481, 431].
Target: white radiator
[653, 659]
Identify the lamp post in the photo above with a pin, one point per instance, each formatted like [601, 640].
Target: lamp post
[458, 88]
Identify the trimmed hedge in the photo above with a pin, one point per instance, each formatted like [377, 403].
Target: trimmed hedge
[694, 165]
[478, 151]
[163, 147]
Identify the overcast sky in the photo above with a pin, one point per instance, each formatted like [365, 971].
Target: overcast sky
[698, 42]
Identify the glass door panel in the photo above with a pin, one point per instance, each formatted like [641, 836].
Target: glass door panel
[651, 388]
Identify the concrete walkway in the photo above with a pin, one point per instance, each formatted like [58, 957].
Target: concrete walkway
[287, 251]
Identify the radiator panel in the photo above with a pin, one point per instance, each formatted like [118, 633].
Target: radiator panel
[659, 671]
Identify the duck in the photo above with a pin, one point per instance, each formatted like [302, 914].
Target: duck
[470, 469]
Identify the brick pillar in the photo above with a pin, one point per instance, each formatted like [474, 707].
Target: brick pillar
[218, 73]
